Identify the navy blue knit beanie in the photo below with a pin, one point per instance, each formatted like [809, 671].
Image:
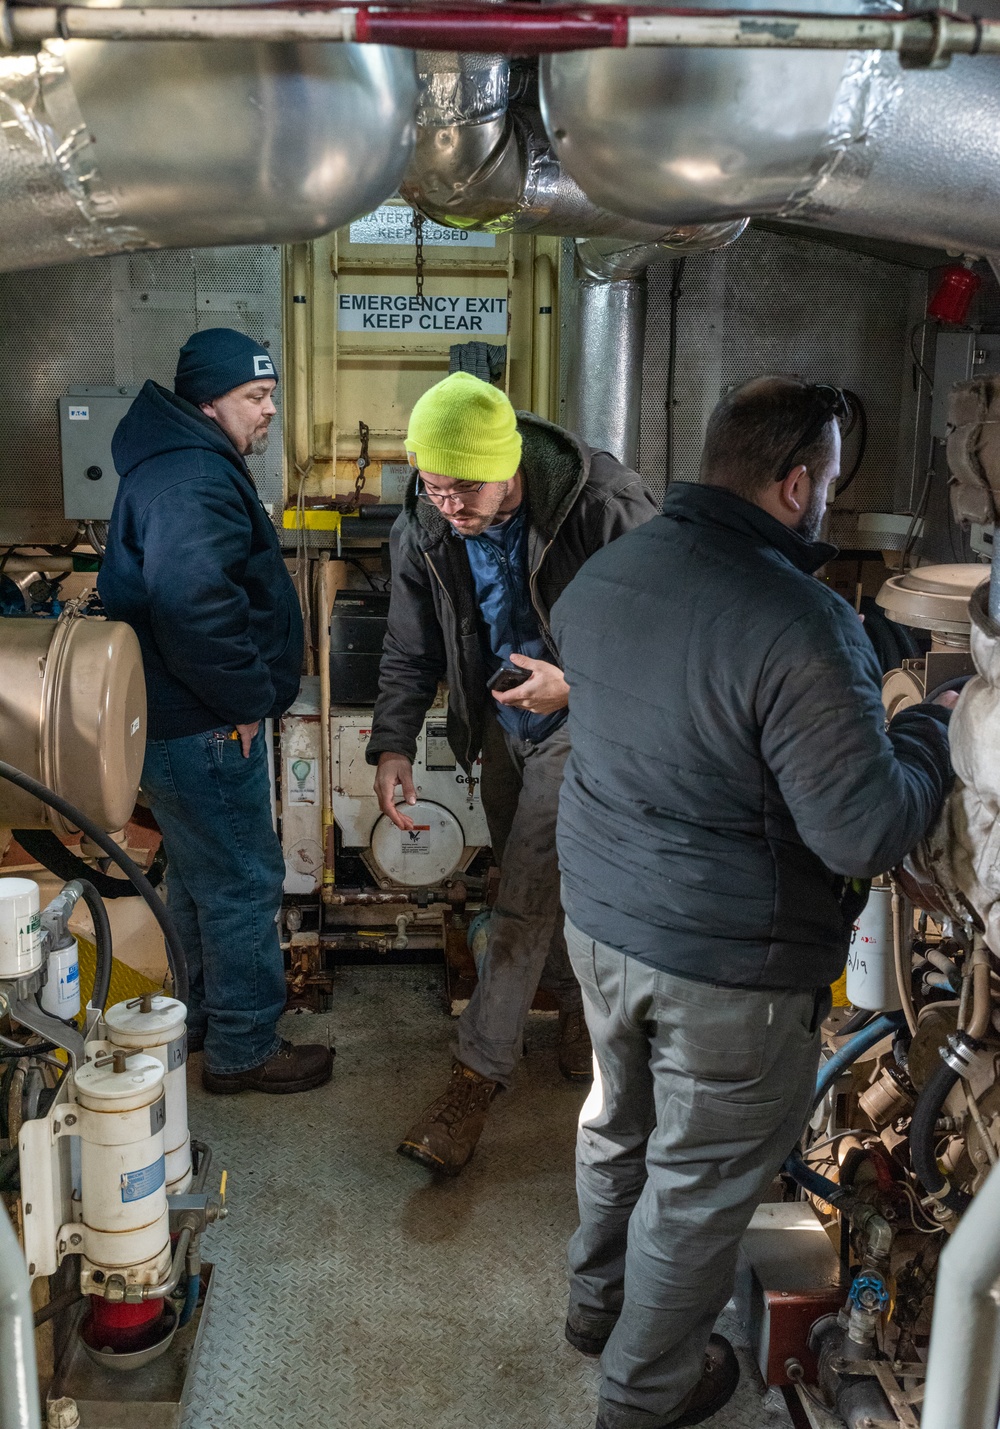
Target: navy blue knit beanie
[215, 361]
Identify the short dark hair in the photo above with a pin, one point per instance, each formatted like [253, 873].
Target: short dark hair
[760, 431]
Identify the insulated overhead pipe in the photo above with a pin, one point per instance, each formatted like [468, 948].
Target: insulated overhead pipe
[19, 1398]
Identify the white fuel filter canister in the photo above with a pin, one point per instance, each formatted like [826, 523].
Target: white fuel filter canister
[20, 928]
[156, 1025]
[871, 968]
[126, 1225]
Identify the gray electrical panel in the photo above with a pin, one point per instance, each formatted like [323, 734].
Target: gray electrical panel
[88, 417]
[958, 357]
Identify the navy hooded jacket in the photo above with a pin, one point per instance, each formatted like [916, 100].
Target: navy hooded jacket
[193, 564]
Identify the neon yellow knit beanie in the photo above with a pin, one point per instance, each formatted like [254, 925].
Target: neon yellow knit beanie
[464, 429]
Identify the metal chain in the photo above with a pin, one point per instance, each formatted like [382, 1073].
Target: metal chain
[363, 463]
[418, 229]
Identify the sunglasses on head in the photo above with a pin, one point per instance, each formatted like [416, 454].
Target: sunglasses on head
[829, 404]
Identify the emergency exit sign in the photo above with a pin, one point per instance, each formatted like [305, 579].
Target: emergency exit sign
[401, 313]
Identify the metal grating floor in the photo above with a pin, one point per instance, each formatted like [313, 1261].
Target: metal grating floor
[355, 1292]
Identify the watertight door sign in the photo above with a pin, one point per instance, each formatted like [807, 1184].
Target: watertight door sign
[392, 223]
[401, 313]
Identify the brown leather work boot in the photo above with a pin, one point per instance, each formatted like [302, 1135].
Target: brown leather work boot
[576, 1056]
[290, 1069]
[445, 1136]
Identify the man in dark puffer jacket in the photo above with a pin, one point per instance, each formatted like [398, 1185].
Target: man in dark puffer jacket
[729, 772]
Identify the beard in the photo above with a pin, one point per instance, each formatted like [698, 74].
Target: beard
[259, 445]
[811, 522]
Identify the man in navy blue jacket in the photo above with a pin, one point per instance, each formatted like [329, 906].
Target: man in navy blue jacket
[193, 564]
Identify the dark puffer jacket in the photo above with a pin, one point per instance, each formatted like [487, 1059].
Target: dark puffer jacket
[194, 566]
[730, 765]
[577, 501]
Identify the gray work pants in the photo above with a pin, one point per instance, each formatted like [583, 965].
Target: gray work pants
[526, 946]
[699, 1094]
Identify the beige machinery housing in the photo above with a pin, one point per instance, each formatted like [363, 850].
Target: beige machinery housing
[73, 715]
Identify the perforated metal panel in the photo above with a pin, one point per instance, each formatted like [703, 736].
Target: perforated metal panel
[115, 322]
[776, 304]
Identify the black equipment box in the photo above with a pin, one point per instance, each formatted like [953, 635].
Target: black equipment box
[357, 629]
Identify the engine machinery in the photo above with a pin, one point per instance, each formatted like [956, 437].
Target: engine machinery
[98, 1172]
[905, 1130]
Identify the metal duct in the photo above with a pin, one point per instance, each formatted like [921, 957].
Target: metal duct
[850, 142]
[607, 330]
[108, 146]
[483, 160]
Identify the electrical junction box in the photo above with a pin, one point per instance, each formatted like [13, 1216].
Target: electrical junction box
[450, 822]
[959, 357]
[88, 417]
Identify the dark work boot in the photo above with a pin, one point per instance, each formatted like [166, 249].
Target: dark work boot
[715, 1388]
[445, 1136]
[290, 1069]
[589, 1339]
[576, 1056]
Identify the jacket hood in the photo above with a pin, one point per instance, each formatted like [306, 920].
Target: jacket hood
[716, 506]
[555, 466]
[159, 422]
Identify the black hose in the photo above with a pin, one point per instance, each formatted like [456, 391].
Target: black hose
[923, 1140]
[676, 293]
[856, 1022]
[175, 949]
[102, 941]
[48, 850]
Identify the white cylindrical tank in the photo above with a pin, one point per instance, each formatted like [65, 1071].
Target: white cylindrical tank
[60, 997]
[871, 968]
[20, 927]
[126, 1225]
[157, 1026]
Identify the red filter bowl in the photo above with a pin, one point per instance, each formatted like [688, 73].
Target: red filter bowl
[122, 1327]
[955, 292]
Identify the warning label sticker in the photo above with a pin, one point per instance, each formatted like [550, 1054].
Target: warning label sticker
[399, 312]
[417, 840]
[137, 1185]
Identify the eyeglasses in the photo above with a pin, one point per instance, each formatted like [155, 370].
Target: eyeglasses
[831, 404]
[459, 491]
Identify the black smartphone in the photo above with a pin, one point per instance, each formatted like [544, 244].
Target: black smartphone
[507, 678]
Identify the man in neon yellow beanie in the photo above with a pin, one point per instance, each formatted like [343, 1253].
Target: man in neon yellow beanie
[503, 510]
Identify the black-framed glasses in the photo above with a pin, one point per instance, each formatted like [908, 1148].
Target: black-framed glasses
[438, 498]
[831, 404]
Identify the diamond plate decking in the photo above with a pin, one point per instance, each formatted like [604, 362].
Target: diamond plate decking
[352, 1290]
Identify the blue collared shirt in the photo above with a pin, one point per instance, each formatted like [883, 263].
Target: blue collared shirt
[498, 560]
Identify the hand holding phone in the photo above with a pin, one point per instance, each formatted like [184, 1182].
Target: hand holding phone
[507, 678]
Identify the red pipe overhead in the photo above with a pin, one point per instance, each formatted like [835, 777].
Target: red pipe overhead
[496, 29]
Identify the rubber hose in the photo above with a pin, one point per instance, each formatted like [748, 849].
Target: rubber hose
[102, 941]
[859, 1019]
[829, 1073]
[861, 1042]
[52, 853]
[813, 1181]
[923, 1139]
[190, 1300]
[175, 949]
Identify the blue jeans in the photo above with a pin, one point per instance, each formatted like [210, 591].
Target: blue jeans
[225, 872]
